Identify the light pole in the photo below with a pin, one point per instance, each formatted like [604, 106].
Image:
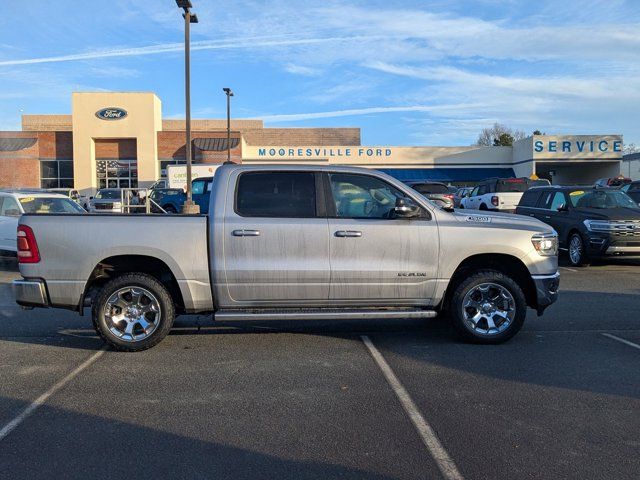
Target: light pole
[229, 93]
[189, 18]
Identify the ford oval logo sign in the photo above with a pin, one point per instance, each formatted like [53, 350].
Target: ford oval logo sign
[111, 113]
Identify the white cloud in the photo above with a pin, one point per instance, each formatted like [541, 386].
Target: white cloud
[293, 117]
[301, 70]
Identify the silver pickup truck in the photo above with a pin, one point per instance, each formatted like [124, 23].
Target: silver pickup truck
[291, 242]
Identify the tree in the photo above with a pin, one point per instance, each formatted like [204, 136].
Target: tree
[504, 140]
[630, 148]
[537, 132]
[489, 136]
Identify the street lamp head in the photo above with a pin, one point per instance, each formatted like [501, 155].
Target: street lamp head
[186, 4]
[228, 91]
[193, 18]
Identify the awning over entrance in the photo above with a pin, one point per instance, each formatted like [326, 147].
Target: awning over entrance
[448, 174]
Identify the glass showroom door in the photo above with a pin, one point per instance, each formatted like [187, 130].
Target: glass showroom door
[117, 173]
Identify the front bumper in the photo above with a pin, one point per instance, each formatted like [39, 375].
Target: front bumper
[603, 244]
[546, 290]
[30, 293]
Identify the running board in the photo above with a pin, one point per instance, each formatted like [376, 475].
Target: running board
[320, 314]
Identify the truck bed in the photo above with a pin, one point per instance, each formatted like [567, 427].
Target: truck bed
[71, 246]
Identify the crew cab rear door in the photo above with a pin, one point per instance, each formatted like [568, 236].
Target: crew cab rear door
[375, 257]
[276, 242]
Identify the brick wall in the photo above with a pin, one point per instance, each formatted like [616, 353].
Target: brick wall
[116, 148]
[171, 147]
[20, 168]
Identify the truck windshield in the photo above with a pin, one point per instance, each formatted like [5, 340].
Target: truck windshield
[601, 199]
[109, 194]
[49, 205]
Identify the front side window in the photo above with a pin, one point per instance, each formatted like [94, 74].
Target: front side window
[276, 194]
[558, 200]
[197, 188]
[363, 196]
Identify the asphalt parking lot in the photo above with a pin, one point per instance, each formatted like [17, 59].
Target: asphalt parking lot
[313, 400]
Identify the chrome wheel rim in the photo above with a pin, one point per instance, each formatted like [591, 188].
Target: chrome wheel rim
[132, 313]
[488, 309]
[575, 249]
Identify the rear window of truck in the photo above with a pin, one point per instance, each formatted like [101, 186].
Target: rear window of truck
[276, 194]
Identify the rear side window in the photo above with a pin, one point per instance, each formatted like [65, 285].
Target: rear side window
[545, 199]
[530, 198]
[276, 194]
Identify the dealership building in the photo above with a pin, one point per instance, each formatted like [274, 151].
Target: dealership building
[121, 140]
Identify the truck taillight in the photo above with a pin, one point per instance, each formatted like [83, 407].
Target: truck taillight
[494, 201]
[27, 246]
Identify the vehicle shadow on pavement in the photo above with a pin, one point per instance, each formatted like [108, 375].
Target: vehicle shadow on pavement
[87, 446]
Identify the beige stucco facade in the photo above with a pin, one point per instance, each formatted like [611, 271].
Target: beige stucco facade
[142, 122]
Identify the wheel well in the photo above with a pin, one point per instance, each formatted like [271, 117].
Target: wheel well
[112, 267]
[507, 264]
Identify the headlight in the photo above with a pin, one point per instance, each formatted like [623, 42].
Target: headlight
[117, 204]
[598, 225]
[546, 244]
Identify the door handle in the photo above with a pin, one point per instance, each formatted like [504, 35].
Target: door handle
[547, 216]
[348, 233]
[532, 214]
[246, 233]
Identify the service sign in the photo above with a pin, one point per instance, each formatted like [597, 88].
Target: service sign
[111, 113]
[577, 146]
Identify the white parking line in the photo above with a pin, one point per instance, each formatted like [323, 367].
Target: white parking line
[622, 340]
[437, 451]
[38, 402]
[569, 269]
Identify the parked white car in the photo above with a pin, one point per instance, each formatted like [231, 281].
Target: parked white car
[14, 203]
[499, 194]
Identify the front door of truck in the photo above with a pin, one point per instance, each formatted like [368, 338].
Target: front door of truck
[375, 257]
[276, 245]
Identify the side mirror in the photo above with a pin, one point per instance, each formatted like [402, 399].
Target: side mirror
[90, 198]
[563, 208]
[406, 208]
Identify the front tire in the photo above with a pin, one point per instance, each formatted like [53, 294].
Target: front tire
[577, 252]
[488, 307]
[133, 312]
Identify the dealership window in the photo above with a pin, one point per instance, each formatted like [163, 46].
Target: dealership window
[117, 173]
[56, 173]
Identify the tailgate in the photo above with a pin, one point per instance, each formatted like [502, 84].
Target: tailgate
[509, 200]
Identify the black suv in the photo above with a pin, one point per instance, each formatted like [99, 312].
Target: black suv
[591, 222]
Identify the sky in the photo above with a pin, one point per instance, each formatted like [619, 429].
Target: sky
[406, 72]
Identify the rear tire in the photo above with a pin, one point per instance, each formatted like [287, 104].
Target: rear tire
[483, 207]
[488, 307]
[133, 312]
